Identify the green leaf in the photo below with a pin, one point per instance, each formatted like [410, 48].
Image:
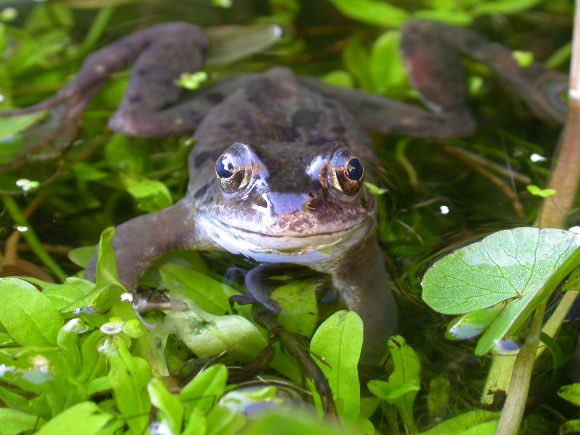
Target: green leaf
[386, 65]
[571, 393]
[81, 256]
[338, 343]
[522, 266]
[14, 422]
[85, 415]
[572, 283]
[108, 288]
[299, 310]
[151, 195]
[542, 193]
[65, 297]
[455, 18]
[86, 172]
[372, 12]
[504, 7]
[191, 81]
[403, 384]
[505, 265]
[374, 189]
[571, 426]
[93, 361]
[168, 404]
[129, 377]
[204, 390]
[196, 424]
[464, 424]
[27, 314]
[125, 155]
[356, 60]
[222, 421]
[339, 78]
[298, 422]
[208, 335]
[524, 59]
[231, 43]
[208, 294]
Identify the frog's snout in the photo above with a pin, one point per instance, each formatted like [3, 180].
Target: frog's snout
[284, 204]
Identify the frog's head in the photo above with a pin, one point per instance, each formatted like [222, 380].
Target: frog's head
[269, 201]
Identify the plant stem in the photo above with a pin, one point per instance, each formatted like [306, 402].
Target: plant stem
[565, 177]
[30, 237]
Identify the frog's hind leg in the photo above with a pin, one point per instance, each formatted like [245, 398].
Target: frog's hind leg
[162, 52]
[432, 53]
[139, 242]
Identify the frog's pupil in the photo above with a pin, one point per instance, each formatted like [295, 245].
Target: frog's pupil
[225, 167]
[354, 169]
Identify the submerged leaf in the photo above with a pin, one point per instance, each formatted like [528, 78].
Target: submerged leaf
[231, 43]
[208, 335]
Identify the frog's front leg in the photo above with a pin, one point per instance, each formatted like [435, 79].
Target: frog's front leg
[362, 282]
[139, 242]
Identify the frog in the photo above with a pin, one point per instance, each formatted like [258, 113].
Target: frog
[280, 162]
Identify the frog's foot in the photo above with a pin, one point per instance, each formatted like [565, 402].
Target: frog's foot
[432, 56]
[259, 289]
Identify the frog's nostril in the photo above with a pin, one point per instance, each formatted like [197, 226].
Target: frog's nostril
[287, 203]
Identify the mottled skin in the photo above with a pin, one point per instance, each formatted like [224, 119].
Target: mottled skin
[288, 135]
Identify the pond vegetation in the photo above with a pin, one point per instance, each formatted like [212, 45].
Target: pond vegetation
[74, 354]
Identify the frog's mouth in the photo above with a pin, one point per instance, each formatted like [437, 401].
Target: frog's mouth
[294, 248]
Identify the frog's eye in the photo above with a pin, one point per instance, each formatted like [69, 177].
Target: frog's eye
[237, 167]
[232, 174]
[346, 173]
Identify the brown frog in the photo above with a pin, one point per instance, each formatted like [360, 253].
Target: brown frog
[277, 173]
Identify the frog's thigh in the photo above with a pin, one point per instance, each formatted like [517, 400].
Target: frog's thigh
[362, 282]
[141, 241]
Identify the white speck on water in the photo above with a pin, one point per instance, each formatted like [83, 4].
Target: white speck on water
[537, 158]
[27, 185]
[5, 369]
[574, 93]
[444, 209]
[126, 297]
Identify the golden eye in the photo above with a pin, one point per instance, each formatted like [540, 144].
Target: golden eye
[346, 173]
[232, 174]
